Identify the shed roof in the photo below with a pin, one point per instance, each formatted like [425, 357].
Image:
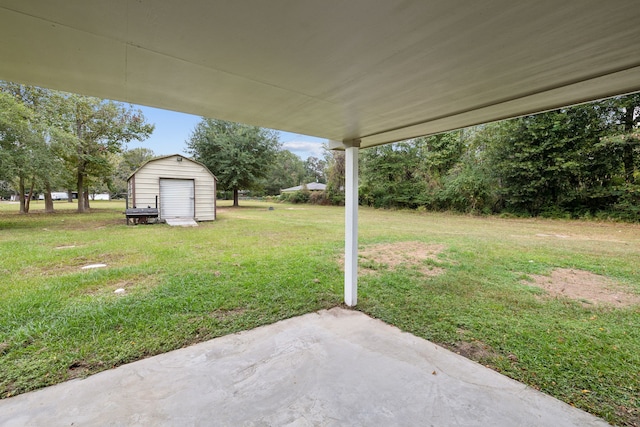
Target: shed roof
[342, 70]
[172, 155]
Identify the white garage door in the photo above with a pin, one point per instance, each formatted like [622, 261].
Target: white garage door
[177, 198]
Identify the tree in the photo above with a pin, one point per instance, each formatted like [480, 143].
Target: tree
[626, 114]
[91, 129]
[439, 153]
[126, 163]
[335, 176]
[409, 174]
[14, 131]
[554, 161]
[286, 171]
[469, 185]
[392, 175]
[29, 157]
[315, 170]
[238, 155]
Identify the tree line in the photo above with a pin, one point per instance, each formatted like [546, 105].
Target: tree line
[51, 140]
[250, 158]
[577, 162]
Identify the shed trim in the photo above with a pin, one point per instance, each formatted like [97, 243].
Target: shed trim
[168, 156]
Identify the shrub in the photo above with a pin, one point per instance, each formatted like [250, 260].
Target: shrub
[297, 197]
[319, 198]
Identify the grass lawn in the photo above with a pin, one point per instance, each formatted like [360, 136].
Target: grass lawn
[472, 292]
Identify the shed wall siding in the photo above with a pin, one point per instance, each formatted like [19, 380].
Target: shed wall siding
[147, 184]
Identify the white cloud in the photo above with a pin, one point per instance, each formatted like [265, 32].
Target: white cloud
[304, 149]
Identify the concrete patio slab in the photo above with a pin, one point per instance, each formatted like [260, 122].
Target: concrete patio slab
[332, 368]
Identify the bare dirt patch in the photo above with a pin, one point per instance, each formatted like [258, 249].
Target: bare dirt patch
[71, 265]
[474, 350]
[585, 286]
[78, 370]
[390, 256]
[95, 224]
[75, 264]
[82, 369]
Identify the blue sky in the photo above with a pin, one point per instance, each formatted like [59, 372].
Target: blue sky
[173, 129]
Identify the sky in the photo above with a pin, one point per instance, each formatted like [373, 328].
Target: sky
[173, 129]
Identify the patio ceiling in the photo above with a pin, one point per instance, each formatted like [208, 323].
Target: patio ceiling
[379, 71]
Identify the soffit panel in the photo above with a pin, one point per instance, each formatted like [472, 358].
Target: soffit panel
[333, 69]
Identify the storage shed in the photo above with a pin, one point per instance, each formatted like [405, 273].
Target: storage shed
[179, 187]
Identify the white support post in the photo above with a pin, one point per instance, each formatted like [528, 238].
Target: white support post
[351, 224]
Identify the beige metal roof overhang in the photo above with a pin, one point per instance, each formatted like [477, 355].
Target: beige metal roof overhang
[375, 70]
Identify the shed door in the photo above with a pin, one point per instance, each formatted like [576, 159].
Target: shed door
[177, 198]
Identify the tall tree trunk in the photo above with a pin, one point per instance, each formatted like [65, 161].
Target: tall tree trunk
[27, 202]
[21, 194]
[86, 199]
[627, 154]
[627, 159]
[81, 167]
[81, 208]
[235, 198]
[48, 200]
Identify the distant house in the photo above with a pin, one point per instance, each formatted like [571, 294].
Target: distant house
[312, 186]
[179, 187]
[99, 196]
[63, 195]
[58, 195]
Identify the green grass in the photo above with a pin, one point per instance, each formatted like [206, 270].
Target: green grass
[255, 266]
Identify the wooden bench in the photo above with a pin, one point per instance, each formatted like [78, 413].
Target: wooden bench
[140, 215]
